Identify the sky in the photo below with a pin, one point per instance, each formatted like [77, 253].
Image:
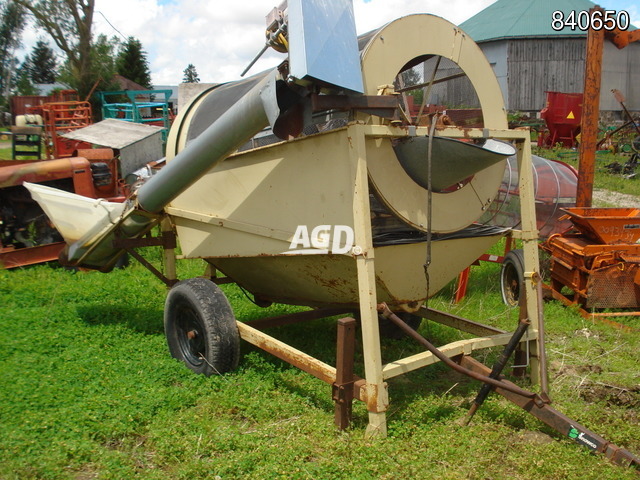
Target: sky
[220, 38]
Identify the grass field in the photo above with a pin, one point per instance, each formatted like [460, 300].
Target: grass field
[88, 390]
[603, 178]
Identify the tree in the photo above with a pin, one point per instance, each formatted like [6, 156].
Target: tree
[102, 63]
[23, 78]
[190, 74]
[68, 23]
[43, 63]
[132, 63]
[411, 77]
[12, 21]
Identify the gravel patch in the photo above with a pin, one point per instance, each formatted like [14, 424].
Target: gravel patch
[608, 198]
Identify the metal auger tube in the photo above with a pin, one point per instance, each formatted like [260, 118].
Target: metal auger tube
[245, 118]
[233, 128]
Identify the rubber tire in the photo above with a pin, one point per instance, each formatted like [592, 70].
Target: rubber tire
[512, 277]
[198, 308]
[388, 329]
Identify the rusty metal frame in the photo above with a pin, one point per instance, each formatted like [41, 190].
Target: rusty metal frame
[167, 240]
[558, 421]
[384, 105]
[527, 234]
[291, 318]
[572, 254]
[596, 317]
[343, 387]
[459, 323]
[21, 257]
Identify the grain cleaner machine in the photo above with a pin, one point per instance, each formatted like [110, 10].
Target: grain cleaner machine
[314, 185]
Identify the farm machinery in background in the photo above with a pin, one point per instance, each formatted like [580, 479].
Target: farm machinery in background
[26, 234]
[624, 140]
[555, 187]
[596, 264]
[73, 164]
[562, 115]
[54, 115]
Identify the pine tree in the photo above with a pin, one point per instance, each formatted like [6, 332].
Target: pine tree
[43, 63]
[132, 63]
[23, 76]
[190, 74]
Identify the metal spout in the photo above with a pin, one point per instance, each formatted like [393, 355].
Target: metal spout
[453, 161]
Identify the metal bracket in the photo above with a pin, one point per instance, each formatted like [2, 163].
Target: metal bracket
[167, 240]
[343, 387]
[382, 105]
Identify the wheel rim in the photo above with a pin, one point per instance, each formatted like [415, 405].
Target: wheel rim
[190, 335]
[510, 285]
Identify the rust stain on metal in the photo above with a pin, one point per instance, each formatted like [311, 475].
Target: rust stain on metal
[600, 264]
[95, 153]
[303, 362]
[41, 171]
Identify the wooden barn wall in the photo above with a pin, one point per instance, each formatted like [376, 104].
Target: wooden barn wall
[539, 65]
[621, 70]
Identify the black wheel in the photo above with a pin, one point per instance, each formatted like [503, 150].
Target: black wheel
[512, 277]
[200, 327]
[388, 329]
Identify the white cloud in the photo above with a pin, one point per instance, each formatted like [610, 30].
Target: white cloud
[221, 40]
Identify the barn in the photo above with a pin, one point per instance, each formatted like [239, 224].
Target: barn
[529, 57]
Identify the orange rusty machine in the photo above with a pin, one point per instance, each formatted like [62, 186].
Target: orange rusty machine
[26, 234]
[597, 265]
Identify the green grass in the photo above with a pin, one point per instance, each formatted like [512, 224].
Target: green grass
[88, 390]
[603, 178]
[6, 153]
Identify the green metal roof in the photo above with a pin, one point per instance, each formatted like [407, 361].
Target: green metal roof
[522, 18]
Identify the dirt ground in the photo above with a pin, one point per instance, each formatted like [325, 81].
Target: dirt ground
[603, 198]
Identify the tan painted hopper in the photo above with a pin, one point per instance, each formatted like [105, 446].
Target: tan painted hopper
[242, 216]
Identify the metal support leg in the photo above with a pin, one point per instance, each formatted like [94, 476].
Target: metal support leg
[376, 389]
[530, 250]
[343, 386]
[463, 282]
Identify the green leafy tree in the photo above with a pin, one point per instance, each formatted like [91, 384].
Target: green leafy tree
[103, 65]
[190, 74]
[409, 78]
[12, 22]
[69, 24]
[103, 60]
[43, 63]
[132, 63]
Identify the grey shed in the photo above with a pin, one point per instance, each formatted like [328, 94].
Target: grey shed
[529, 57]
